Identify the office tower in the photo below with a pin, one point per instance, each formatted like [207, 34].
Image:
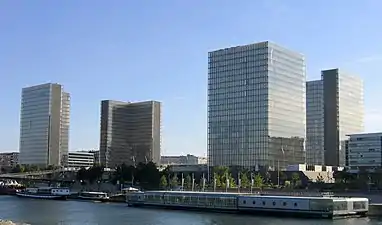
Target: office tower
[314, 123]
[130, 132]
[256, 107]
[44, 125]
[342, 113]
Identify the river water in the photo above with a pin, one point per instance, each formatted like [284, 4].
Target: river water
[48, 212]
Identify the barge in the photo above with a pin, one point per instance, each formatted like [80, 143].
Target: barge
[310, 207]
[45, 193]
[94, 196]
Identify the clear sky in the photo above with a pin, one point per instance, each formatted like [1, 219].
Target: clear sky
[139, 50]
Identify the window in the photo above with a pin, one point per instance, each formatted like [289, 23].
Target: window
[263, 202]
[254, 202]
[274, 203]
[244, 202]
[284, 203]
[295, 204]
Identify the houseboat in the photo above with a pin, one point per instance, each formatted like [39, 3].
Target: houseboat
[45, 193]
[95, 196]
[316, 207]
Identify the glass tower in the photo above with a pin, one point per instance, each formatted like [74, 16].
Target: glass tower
[335, 109]
[44, 125]
[256, 106]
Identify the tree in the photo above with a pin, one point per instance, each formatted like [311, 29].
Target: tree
[283, 177]
[245, 182]
[258, 181]
[295, 179]
[148, 175]
[174, 181]
[18, 169]
[188, 181]
[82, 174]
[163, 182]
[217, 179]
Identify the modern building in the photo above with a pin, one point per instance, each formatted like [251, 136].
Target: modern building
[335, 108]
[256, 107]
[9, 159]
[314, 123]
[130, 132]
[183, 160]
[44, 125]
[96, 156]
[364, 151]
[80, 159]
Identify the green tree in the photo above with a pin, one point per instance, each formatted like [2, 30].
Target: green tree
[163, 182]
[245, 182]
[295, 179]
[283, 177]
[18, 169]
[258, 181]
[174, 181]
[148, 175]
[94, 173]
[188, 182]
[217, 178]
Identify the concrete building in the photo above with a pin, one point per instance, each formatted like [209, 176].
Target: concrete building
[183, 160]
[96, 156]
[80, 159]
[44, 125]
[335, 108]
[9, 159]
[130, 132]
[256, 106]
[364, 151]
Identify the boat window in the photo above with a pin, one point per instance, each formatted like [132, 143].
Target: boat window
[274, 203]
[263, 202]
[284, 203]
[254, 202]
[244, 202]
[295, 204]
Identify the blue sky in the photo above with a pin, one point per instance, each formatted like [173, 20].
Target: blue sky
[140, 50]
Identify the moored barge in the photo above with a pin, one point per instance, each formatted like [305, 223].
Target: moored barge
[310, 207]
[45, 193]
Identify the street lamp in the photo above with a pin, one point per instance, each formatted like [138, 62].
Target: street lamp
[278, 166]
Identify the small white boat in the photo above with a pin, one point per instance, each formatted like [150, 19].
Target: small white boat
[96, 196]
[45, 193]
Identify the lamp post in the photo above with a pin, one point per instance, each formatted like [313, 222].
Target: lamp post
[278, 166]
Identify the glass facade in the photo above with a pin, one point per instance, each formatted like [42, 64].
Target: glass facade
[130, 132]
[350, 111]
[256, 106]
[44, 125]
[314, 123]
[334, 109]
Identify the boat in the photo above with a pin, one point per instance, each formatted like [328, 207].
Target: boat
[9, 187]
[97, 196]
[45, 193]
[310, 207]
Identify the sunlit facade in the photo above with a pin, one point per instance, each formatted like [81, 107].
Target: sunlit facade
[256, 106]
[335, 108]
[44, 125]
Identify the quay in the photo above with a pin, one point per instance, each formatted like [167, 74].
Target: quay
[310, 207]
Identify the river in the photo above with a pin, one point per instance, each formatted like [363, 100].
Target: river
[48, 212]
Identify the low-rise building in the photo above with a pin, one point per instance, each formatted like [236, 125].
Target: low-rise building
[183, 160]
[80, 159]
[364, 151]
[9, 159]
